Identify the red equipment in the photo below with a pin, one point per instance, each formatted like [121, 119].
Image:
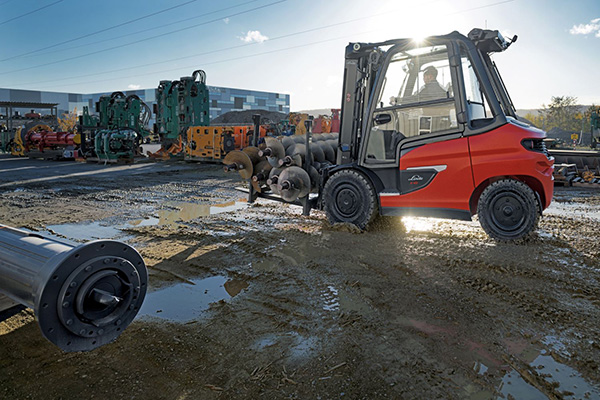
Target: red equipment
[335, 120]
[42, 142]
[48, 139]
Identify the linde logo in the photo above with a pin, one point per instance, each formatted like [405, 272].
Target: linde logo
[415, 178]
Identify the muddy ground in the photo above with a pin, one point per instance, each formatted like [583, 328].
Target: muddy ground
[259, 302]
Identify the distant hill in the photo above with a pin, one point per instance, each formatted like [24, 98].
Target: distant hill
[524, 112]
[536, 111]
[316, 112]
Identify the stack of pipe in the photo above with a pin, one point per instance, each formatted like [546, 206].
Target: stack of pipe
[279, 164]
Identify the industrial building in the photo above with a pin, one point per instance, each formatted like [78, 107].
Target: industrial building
[222, 99]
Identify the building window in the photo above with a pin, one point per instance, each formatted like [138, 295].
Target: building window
[214, 104]
[280, 107]
[238, 102]
[262, 102]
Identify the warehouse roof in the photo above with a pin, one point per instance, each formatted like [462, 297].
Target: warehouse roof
[24, 104]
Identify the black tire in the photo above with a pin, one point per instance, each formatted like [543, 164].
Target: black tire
[350, 198]
[508, 210]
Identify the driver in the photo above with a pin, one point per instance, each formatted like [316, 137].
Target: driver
[432, 90]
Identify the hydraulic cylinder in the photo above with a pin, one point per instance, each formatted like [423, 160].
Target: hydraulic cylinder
[83, 296]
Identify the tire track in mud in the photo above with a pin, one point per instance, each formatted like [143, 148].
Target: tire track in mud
[552, 307]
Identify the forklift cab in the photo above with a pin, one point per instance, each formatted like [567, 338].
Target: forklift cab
[416, 98]
[430, 92]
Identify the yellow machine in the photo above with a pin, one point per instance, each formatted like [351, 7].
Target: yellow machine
[298, 119]
[209, 143]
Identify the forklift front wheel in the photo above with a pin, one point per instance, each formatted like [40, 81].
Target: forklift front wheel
[350, 198]
[508, 210]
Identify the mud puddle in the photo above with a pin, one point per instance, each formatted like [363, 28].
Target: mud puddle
[185, 212]
[176, 214]
[86, 231]
[534, 371]
[186, 302]
[547, 378]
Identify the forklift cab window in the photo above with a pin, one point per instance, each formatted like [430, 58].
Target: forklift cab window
[417, 98]
[477, 105]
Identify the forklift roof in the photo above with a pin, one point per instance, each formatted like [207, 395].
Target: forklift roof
[487, 41]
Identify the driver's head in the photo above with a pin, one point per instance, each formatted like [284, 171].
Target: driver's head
[430, 74]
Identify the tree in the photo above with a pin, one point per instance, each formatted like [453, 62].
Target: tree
[536, 120]
[563, 113]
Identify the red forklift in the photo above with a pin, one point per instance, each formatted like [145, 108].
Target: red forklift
[428, 129]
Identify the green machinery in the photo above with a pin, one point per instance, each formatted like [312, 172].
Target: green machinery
[595, 127]
[117, 131]
[179, 105]
[5, 139]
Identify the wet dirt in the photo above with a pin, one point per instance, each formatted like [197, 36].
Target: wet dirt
[257, 301]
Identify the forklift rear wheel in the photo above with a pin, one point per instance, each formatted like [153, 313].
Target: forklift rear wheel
[508, 210]
[350, 198]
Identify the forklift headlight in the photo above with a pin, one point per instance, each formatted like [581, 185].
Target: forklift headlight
[536, 145]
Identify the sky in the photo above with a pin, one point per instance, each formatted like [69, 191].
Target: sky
[285, 46]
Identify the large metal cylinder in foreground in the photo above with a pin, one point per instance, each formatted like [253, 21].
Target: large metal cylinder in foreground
[83, 296]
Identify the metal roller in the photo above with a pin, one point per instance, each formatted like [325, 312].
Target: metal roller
[274, 151]
[287, 141]
[239, 161]
[288, 161]
[273, 179]
[333, 143]
[298, 149]
[253, 153]
[83, 297]
[328, 151]
[261, 174]
[317, 152]
[293, 183]
[299, 138]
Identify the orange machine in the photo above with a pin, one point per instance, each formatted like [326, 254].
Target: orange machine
[212, 143]
[321, 124]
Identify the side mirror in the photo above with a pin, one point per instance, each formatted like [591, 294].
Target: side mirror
[382, 119]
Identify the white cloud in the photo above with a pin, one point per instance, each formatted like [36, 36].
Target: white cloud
[226, 20]
[253, 36]
[133, 87]
[586, 29]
